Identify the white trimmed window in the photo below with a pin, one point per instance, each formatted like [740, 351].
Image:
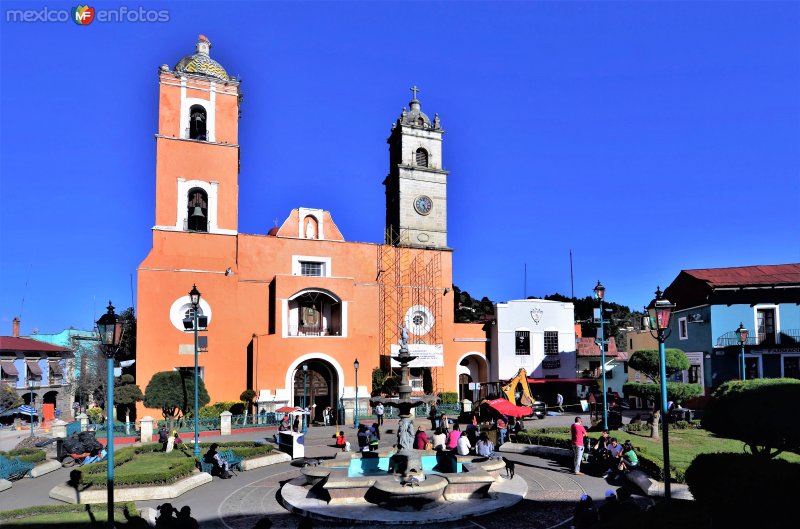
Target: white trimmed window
[683, 329]
[522, 342]
[312, 268]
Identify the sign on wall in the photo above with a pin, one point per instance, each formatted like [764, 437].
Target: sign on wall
[426, 355]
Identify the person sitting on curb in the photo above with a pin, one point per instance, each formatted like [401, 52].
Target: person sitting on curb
[463, 446]
[629, 458]
[484, 446]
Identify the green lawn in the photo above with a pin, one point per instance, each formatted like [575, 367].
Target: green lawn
[684, 445]
[70, 516]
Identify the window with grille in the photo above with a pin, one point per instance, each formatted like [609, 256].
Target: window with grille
[551, 342]
[422, 157]
[523, 342]
[310, 268]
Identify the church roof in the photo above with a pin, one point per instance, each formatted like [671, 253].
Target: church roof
[415, 117]
[201, 63]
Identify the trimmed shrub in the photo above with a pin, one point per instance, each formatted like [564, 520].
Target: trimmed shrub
[95, 415]
[29, 455]
[213, 410]
[27, 512]
[738, 489]
[758, 412]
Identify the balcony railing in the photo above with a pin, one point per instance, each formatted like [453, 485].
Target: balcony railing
[309, 330]
[596, 373]
[789, 337]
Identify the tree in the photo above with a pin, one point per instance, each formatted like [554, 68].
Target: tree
[759, 412]
[8, 397]
[247, 397]
[647, 362]
[173, 393]
[468, 309]
[378, 378]
[620, 317]
[126, 394]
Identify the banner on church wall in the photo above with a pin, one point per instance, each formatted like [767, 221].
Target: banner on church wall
[426, 355]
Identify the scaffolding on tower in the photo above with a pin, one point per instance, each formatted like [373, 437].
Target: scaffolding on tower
[408, 278]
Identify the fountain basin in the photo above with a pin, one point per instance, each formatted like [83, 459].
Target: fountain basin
[391, 494]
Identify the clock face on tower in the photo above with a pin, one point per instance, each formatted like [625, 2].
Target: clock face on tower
[423, 204]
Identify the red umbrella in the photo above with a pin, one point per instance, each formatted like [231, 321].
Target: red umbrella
[288, 409]
[504, 407]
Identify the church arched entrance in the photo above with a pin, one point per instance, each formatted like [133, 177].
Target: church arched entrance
[472, 370]
[321, 387]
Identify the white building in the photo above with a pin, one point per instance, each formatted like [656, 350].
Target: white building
[534, 334]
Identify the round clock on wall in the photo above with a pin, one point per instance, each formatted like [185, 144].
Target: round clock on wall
[423, 204]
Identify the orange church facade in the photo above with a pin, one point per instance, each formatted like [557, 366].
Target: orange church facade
[300, 294]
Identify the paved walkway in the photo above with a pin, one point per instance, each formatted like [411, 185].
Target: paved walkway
[240, 502]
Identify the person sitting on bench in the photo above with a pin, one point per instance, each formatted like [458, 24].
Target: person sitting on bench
[219, 465]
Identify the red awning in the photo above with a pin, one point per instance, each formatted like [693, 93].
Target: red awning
[33, 367]
[504, 407]
[582, 381]
[9, 369]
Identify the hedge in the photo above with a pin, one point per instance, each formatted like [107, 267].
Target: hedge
[678, 425]
[27, 512]
[94, 474]
[449, 397]
[29, 455]
[650, 464]
[738, 487]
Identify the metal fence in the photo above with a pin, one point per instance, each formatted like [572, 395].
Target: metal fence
[254, 420]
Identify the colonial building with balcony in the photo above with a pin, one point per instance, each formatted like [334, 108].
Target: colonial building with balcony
[37, 371]
[711, 303]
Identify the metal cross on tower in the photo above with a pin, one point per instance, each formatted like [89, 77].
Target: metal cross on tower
[414, 91]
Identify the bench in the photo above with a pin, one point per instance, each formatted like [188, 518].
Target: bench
[14, 468]
[232, 459]
[205, 467]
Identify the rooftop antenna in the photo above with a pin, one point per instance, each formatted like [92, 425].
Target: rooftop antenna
[525, 283]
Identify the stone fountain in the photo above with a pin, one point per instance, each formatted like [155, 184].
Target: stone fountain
[406, 462]
[471, 486]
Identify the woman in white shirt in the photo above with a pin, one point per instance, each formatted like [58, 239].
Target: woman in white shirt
[439, 438]
[463, 445]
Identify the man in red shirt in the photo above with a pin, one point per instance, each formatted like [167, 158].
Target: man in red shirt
[578, 434]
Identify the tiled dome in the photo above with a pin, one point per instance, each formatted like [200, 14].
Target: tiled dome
[200, 63]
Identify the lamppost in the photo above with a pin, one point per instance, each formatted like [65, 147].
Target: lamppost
[305, 407]
[194, 298]
[741, 333]
[355, 366]
[109, 327]
[599, 293]
[660, 311]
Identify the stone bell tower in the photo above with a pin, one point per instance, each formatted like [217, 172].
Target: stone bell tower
[416, 187]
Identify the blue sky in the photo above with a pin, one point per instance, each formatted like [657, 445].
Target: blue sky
[646, 137]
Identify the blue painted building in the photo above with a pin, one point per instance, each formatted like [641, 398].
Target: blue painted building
[710, 305]
[82, 344]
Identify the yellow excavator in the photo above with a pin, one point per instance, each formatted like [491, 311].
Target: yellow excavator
[509, 390]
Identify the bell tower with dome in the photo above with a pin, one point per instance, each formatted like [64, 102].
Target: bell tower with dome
[416, 187]
[197, 145]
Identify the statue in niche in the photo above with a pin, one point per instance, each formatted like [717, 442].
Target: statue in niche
[311, 232]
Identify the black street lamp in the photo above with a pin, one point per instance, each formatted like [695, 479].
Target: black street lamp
[305, 407]
[660, 311]
[194, 298]
[355, 366]
[742, 333]
[599, 293]
[110, 329]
